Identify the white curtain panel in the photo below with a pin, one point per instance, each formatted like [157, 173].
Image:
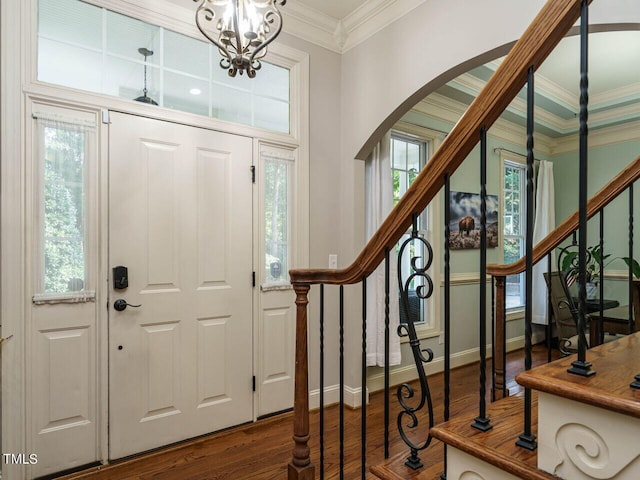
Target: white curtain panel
[545, 222]
[379, 202]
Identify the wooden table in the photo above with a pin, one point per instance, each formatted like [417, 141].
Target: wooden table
[613, 320]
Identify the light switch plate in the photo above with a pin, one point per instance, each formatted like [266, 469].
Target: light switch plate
[333, 261]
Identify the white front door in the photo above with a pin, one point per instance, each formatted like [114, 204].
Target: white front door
[180, 220]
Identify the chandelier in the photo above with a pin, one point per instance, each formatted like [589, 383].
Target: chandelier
[241, 29]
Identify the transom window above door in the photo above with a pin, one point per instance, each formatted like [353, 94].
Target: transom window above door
[89, 48]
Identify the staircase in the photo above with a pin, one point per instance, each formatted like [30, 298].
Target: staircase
[587, 427]
[572, 426]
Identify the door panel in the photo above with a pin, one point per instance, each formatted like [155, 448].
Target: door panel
[275, 364]
[180, 202]
[63, 385]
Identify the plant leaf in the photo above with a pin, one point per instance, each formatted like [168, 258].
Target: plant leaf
[567, 261]
[635, 266]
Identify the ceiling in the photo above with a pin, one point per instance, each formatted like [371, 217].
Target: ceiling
[337, 9]
[614, 85]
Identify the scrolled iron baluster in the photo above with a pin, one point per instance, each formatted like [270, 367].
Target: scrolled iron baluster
[405, 392]
[566, 274]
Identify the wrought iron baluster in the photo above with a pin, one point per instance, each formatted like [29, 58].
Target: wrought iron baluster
[341, 401]
[549, 327]
[600, 328]
[482, 422]
[447, 309]
[363, 398]
[387, 410]
[636, 381]
[581, 366]
[493, 339]
[321, 382]
[406, 392]
[569, 269]
[527, 439]
[632, 326]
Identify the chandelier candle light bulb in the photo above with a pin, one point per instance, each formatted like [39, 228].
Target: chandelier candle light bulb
[241, 29]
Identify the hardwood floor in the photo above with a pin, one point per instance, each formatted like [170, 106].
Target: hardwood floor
[262, 450]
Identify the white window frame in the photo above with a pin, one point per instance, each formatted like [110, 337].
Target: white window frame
[268, 151]
[514, 160]
[90, 180]
[432, 231]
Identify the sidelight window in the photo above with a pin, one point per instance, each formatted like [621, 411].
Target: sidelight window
[277, 183]
[64, 154]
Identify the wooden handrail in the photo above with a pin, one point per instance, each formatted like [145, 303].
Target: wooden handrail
[549, 27]
[600, 200]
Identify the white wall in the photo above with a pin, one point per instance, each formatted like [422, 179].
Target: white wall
[387, 74]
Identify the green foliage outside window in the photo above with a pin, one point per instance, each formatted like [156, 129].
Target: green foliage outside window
[63, 210]
[276, 196]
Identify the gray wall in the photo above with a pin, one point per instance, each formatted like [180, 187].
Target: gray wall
[605, 162]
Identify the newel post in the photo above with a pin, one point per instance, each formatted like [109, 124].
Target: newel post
[499, 380]
[300, 467]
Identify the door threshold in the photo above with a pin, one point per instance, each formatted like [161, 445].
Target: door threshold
[71, 471]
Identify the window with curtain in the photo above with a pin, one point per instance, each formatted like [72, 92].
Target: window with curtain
[408, 156]
[65, 154]
[278, 169]
[514, 224]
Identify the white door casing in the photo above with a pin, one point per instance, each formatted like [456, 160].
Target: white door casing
[180, 220]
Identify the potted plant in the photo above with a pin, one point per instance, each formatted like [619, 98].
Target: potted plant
[595, 258]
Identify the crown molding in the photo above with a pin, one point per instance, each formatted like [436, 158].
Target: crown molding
[312, 25]
[615, 96]
[548, 89]
[372, 16]
[338, 35]
[602, 137]
[449, 111]
[473, 86]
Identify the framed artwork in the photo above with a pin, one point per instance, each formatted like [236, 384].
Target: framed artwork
[464, 226]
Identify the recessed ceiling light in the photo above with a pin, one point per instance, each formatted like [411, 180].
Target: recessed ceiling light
[195, 91]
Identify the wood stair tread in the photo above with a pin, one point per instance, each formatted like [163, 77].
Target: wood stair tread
[498, 445]
[615, 363]
[395, 469]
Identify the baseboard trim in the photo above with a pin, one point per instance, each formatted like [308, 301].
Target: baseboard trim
[400, 375]
[352, 396]
[404, 374]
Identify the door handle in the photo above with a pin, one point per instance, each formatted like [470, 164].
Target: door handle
[121, 304]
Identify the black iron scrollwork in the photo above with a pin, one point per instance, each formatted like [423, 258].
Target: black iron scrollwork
[569, 268]
[406, 392]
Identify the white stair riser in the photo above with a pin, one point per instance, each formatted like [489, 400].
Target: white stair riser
[577, 441]
[462, 466]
